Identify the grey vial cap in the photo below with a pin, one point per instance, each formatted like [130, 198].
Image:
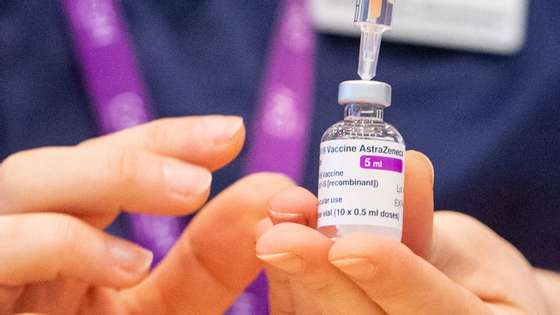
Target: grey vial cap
[364, 92]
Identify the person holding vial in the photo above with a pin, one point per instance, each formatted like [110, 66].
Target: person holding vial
[92, 194]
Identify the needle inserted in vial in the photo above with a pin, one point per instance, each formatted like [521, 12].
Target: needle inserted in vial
[374, 18]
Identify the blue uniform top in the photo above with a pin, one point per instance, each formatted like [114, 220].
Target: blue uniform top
[490, 123]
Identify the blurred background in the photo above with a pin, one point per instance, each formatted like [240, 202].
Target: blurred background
[476, 87]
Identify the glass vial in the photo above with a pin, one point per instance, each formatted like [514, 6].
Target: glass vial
[361, 173]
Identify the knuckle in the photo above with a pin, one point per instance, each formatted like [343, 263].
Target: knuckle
[12, 180]
[123, 166]
[277, 279]
[66, 234]
[62, 242]
[12, 164]
[320, 286]
[157, 133]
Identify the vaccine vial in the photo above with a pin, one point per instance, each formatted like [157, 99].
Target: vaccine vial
[361, 173]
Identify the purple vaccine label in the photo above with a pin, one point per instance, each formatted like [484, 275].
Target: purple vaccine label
[372, 162]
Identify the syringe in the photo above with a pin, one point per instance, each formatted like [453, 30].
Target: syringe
[374, 17]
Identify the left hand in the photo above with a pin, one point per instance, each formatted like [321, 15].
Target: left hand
[461, 268]
[55, 259]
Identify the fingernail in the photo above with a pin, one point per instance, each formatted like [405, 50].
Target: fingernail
[130, 257]
[185, 180]
[221, 128]
[433, 170]
[358, 268]
[287, 262]
[278, 217]
[431, 165]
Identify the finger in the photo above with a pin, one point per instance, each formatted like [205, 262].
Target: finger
[214, 260]
[295, 205]
[281, 296]
[418, 203]
[299, 206]
[44, 247]
[209, 141]
[475, 257]
[93, 181]
[398, 280]
[284, 297]
[8, 297]
[301, 253]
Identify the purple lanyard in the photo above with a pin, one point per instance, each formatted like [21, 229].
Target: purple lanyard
[117, 94]
[280, 133]
[279, 138]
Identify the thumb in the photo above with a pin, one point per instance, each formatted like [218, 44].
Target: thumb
[418, 203]
[399, 281]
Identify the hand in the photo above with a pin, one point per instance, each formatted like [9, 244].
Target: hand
[54, 258]
[461, 268]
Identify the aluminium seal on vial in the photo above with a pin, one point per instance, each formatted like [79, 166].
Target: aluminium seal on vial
[364, 92]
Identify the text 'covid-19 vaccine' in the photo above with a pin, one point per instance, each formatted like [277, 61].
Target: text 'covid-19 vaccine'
[361, 174]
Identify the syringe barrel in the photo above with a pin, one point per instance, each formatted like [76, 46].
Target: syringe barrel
[378, 12]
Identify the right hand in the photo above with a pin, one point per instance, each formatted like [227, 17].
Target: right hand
[54, 203]
[448, 263]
